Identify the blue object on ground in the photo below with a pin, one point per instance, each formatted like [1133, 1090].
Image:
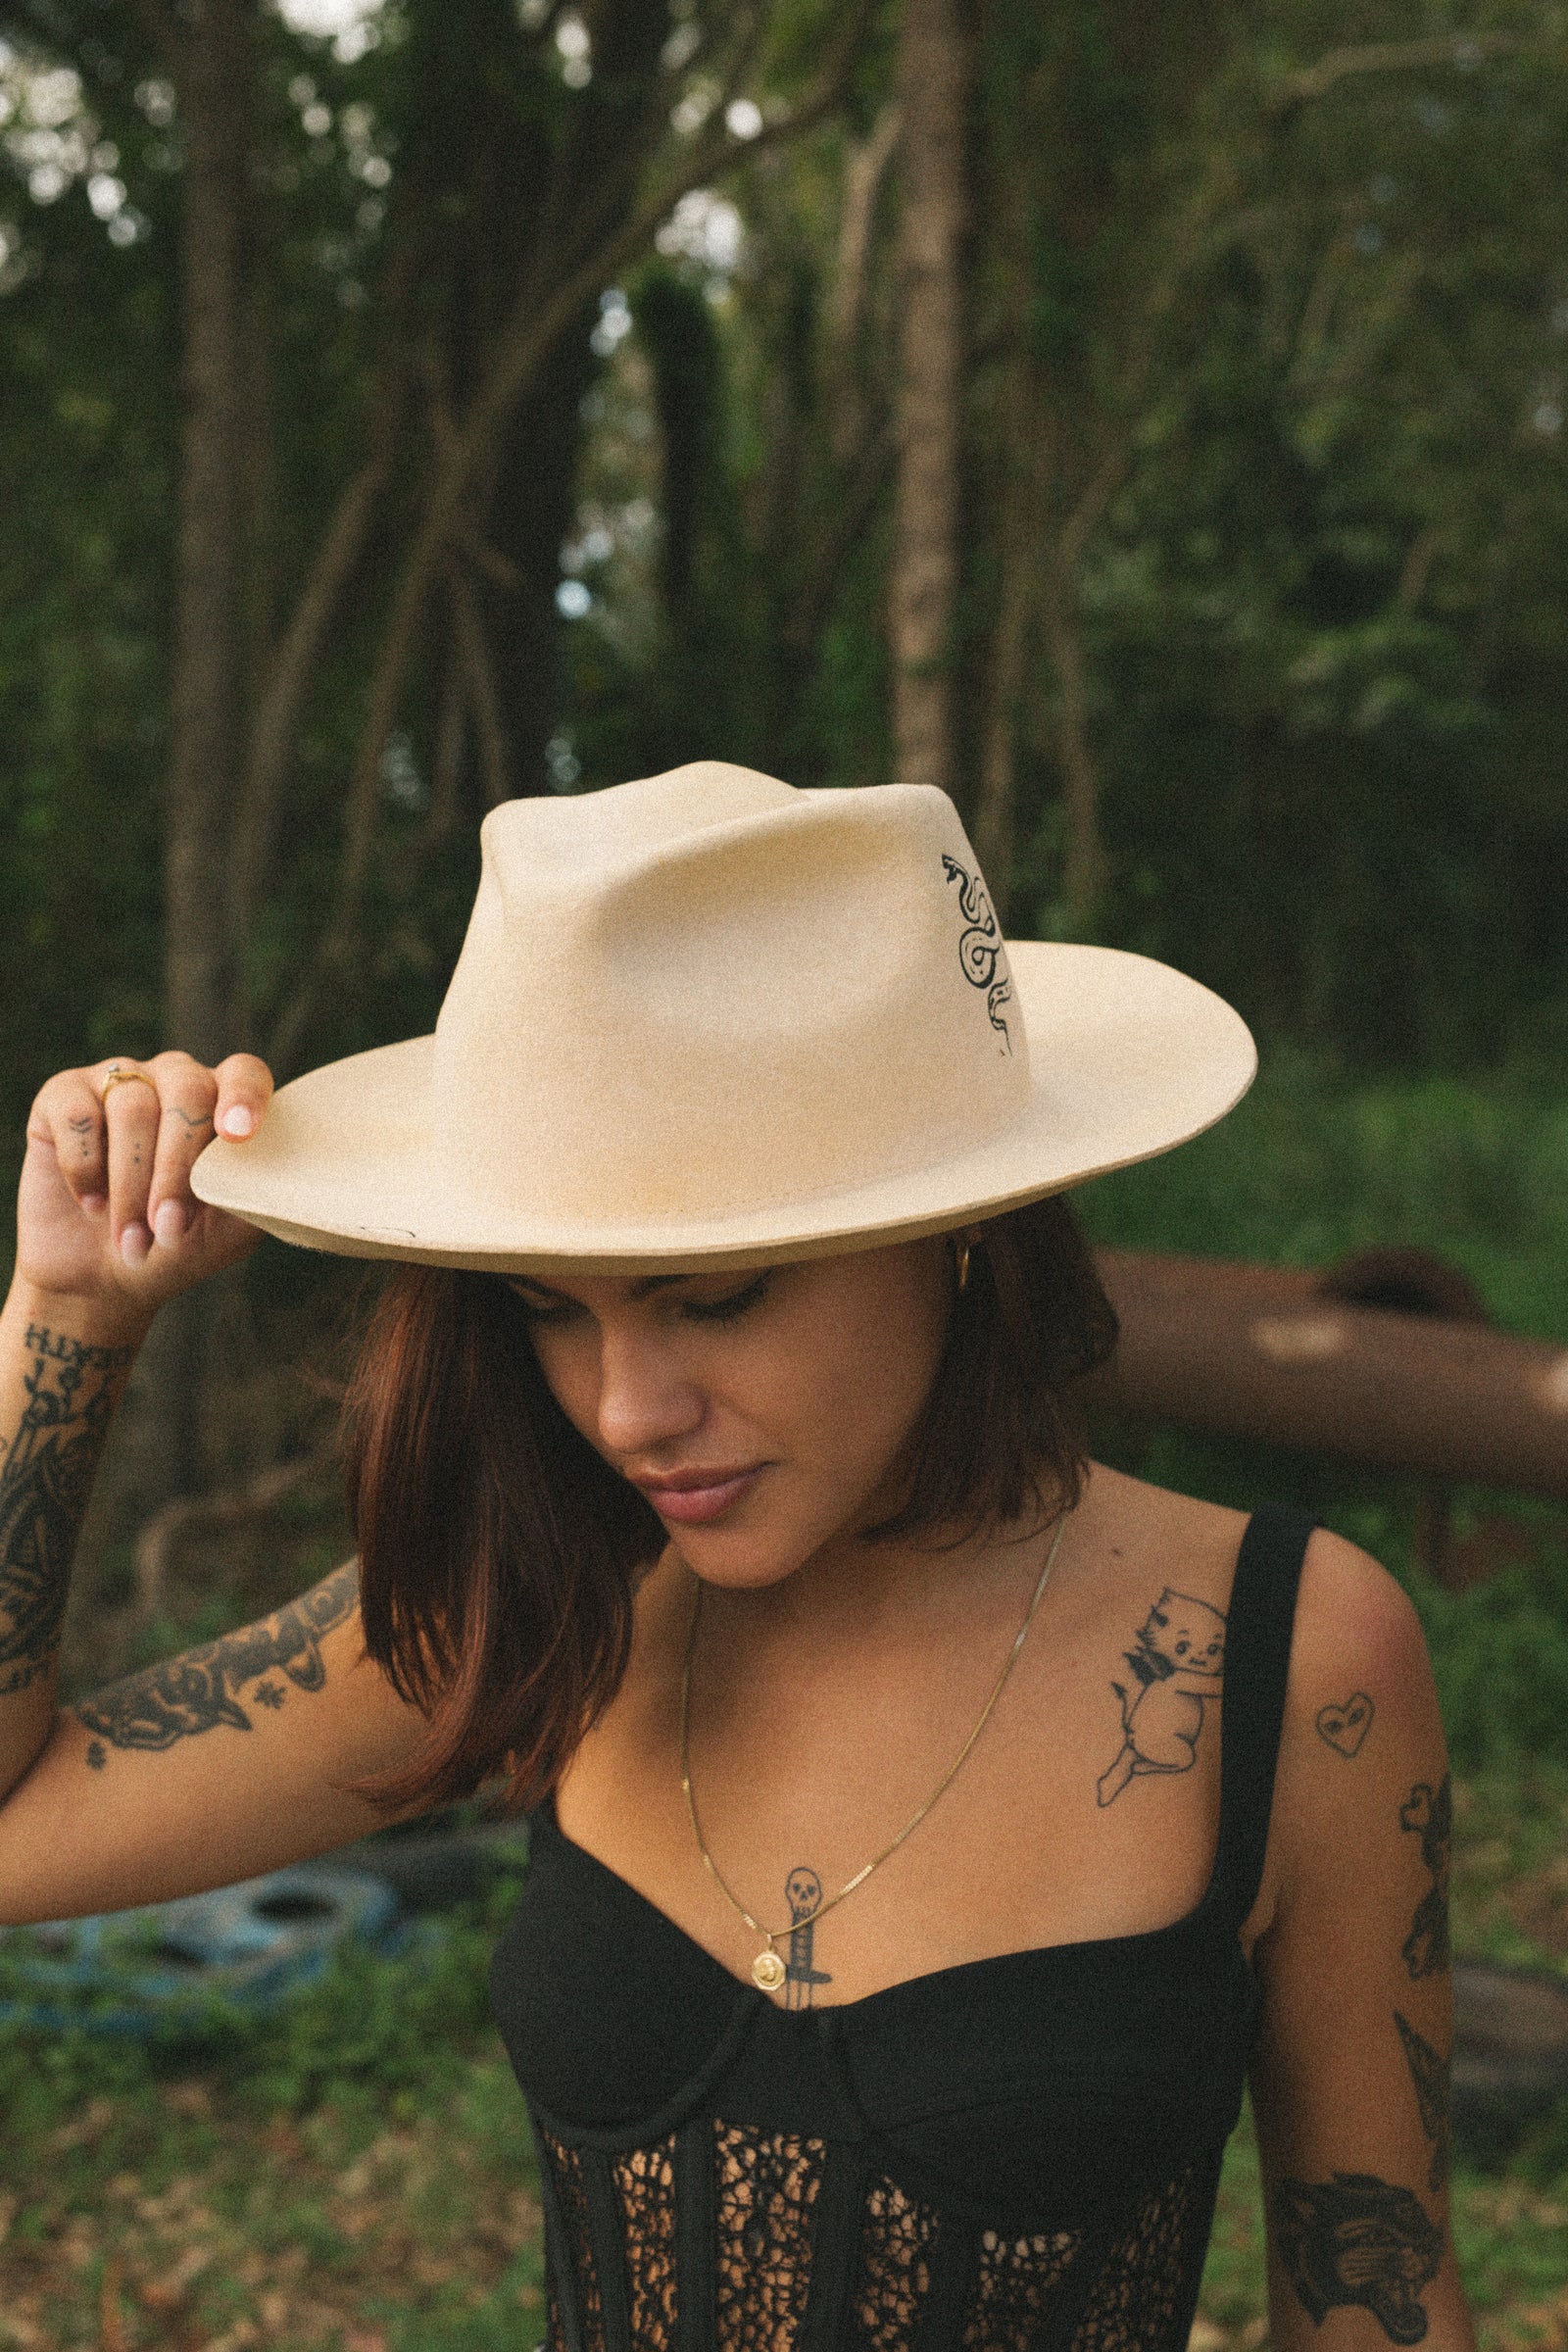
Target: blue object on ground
[163, 1969]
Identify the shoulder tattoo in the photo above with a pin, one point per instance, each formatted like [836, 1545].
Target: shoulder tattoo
[1345, 1724]
[1177, 1663]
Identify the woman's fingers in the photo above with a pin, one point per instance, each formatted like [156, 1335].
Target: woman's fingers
[129, 1133]
[132, 1103]
[69, 1118]
[244, 1090]
[105, 1205]
[187, 1094]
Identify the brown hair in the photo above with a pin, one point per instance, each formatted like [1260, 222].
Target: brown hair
[498, 1554]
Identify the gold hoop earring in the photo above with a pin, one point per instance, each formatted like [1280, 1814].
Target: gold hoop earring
[961, 1260]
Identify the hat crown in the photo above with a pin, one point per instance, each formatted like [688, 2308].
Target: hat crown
[710, 991]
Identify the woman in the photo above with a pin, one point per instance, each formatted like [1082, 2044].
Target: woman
[901, 1922]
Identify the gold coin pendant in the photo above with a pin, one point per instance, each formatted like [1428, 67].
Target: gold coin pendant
[768, 1971]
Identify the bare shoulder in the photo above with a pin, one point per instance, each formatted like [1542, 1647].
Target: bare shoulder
[1350, 1612]
[1360, 1688]
[1140, 1532]
[1361, 1747]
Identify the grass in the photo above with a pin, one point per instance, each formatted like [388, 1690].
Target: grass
[355, 2174]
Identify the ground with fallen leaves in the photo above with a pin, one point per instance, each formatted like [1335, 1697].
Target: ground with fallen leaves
[360, 2179]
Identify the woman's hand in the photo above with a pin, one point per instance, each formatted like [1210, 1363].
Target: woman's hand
[104, 1213]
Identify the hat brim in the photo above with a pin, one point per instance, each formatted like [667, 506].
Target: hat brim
[1128, 1057]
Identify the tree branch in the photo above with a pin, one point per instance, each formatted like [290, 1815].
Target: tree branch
[189, 1515]
[519, 351]
[293, 669]
[479, 679]
[1458, 50]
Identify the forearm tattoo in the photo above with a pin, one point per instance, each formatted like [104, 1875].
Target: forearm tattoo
[44, 1484]
[1355, 2241]
[199, 1690]
[1177, 1664]
[1429, 2072]
[1429, 1815]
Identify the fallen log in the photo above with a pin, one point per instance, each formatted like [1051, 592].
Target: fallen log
[1279, 1357]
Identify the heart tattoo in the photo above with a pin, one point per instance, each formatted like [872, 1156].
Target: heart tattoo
[1346, 1725]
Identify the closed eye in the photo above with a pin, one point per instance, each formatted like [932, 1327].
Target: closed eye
[548, 1314]
[727, 1310]
[536, 1311]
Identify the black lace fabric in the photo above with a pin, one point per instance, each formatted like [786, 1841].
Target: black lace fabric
[1145, 2281]
[1019, 2278]
[645, 2183]
[766, 2190]
[894, 2270]
[768, 2187]
[567, 2166]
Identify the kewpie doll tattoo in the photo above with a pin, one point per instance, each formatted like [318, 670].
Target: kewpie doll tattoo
[1178, 1663]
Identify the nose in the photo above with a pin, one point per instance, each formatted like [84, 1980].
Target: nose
[645, 1398]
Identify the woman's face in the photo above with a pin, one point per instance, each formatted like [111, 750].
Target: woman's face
[762, 1412]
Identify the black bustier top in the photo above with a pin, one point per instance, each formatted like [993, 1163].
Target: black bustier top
[1019, 2152]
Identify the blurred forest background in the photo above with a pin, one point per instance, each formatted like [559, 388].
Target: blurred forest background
[1146, 421]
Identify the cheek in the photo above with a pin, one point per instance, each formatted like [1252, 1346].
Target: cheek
[570, 1368]
[861, 1388]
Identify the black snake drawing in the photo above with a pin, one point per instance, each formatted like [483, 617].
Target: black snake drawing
[980, 948]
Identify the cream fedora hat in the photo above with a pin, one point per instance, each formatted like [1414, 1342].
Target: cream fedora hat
[711, 1019]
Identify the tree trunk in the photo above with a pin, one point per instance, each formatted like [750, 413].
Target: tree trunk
[1023, 538]
[167, 1440]
[1084, 864]
[933, 87]
[207, 687]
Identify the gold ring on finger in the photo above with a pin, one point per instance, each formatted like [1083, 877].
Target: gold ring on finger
[115, 1076]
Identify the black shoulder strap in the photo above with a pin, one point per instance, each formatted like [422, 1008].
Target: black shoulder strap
[1257, 1658]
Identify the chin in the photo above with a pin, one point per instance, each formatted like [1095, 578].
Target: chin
[735, 1566]
[741, 1559]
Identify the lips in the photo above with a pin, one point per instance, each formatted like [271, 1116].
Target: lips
[691, 1497]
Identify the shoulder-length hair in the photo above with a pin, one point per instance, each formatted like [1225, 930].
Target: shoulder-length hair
[499, 1552]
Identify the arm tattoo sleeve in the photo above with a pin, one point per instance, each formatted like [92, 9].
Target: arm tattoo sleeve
[1357, 2242]
[1429, 2072]
[44, 1485]
[1428, 1813]
[199, 1690]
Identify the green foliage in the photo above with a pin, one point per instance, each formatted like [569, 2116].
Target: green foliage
[375, 2034]
[1500, 1652]
[1318, 1160]
[1314, 1164]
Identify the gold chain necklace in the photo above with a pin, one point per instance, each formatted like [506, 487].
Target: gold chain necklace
[768, 1969]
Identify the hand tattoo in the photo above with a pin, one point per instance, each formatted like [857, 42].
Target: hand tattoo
[1178, 1663]
[1425, 1950]
[44, 1485]
[195, 1692]
[1430, 2074]
[1345, 1725]
[1356, 2240]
